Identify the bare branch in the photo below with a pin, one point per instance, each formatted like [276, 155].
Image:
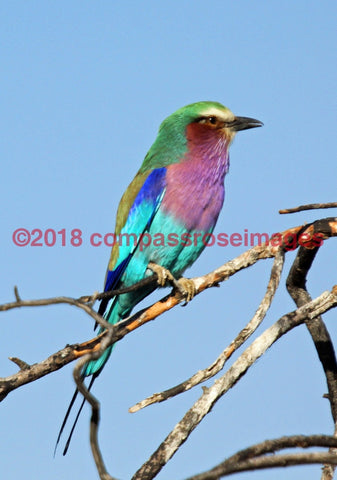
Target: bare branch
[30, 373]
[255, 457]
[113, 293]
[49, 365]
[286, 460]
[296, 285]
[54, 301]
[93, 348]
[328, 227]
[210, 396]
[73, 352]
[218, 364]
[309, 206]
[95, 411]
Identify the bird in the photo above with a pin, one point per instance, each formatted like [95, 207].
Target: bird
[177, 192]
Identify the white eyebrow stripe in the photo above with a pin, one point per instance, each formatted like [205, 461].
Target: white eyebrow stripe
[221, 114]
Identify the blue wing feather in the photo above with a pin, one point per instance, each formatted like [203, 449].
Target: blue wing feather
[112, 279]
[141, 214]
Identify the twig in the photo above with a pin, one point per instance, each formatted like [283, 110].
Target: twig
[20, 363]
[218, 364]
[54, 301]
[59, 359]
[309, 206]
[83, 300]
[286, 460]
[210, 396]
[95, 412]
[255, 457]
[16, 293]
[119, 291]
[49, 365]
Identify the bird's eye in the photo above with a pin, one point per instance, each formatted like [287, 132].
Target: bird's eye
[212, 120]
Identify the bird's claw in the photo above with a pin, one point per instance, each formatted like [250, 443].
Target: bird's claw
[163, 275]
[187, 289]
[185, 286]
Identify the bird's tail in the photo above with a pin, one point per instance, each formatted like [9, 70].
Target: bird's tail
[71, 404]
[93, 369]
[120, 308]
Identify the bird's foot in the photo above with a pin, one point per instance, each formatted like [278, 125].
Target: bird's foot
[186, 288]
[163, 274]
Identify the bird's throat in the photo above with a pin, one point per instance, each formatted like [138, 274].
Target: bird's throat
[195, 186]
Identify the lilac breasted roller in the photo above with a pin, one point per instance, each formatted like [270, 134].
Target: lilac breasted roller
[175, 199]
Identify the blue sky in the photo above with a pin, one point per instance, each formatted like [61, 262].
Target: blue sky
[84, 87]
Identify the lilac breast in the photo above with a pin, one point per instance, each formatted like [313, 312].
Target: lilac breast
[195, 187]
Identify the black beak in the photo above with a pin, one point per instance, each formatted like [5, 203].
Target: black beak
[244, 123]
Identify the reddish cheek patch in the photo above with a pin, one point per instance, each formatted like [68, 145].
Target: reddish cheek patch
[198, 132]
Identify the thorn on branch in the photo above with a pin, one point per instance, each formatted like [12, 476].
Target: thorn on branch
[16, 293]
[20, 363]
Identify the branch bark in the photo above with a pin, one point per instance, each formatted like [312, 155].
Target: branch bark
[307, 311]
[73, 352]
[309, 206]
[296, 286]
[211, 395]
[258, 456]
[209, 372]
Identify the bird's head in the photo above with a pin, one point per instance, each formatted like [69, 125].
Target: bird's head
[196, 123]
[206, 117]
